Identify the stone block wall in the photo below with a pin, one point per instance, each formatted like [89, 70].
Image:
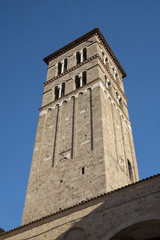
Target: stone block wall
[83, 138]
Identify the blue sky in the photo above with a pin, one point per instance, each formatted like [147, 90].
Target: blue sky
[31, 30]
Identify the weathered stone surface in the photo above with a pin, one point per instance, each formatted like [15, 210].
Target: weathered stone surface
[83, 140]
[83, 153]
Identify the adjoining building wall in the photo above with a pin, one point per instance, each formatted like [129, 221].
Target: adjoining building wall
[134, 207]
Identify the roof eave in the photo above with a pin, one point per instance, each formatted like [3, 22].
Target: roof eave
[82, 39]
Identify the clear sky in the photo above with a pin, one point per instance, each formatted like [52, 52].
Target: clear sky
[32, 29]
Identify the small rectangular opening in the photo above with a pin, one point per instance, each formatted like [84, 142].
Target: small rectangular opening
[83, 170]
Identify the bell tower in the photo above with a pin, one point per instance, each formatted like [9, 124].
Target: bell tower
[84, 145]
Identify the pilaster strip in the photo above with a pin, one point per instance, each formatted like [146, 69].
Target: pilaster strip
[91, 119]
[72, 144]
[55, 136]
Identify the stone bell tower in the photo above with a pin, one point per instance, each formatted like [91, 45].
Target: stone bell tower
[84, 145]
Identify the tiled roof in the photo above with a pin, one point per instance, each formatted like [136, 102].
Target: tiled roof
[79, 41]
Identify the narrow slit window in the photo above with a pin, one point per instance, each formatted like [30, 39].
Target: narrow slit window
[83, 170]
[130, 170]
[84, 54]
[59, 68]
[84, 78]
[63, 89]
[65, 64]
[78, 57]
[56, 92]
[77, 81]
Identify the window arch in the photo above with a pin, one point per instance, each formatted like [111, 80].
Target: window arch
[65, 64]
[78, 57]
[77, 81]
[84, 54]
[106, 60]
[63, 89]
[56, 92]
[59, 68]
[84, 78]
[107, 81]
[119, 99]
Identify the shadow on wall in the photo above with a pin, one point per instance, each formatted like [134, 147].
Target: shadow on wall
[132, 214]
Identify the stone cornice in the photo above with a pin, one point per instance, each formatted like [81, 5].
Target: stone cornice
[83, 38]
[96, 83]
[81, 64]
[71, 69]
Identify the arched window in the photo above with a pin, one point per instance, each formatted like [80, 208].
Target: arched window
[59, 68]
[56, 92]
[119, 99]
[77, 81]
[78, 57]
[63, 89]
[65, 64]
[107, 82]
[102, 54]
[130, 170]
[84, 54]
[106, 60]
[84, 78]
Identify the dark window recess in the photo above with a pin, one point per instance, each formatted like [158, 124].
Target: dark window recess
[83, 170]
[56, 92]
[108, 83]
[102, 54]
[106, 60]
[65, 64]
[77, 81]
[63, 89]
[78, 57]
[59, 68]
[84, 78]
[130, 170]
[84, 54]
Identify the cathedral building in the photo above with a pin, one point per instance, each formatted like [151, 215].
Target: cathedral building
[84, 181]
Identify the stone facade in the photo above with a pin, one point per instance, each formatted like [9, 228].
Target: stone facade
[83, 181]
[84, 139]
